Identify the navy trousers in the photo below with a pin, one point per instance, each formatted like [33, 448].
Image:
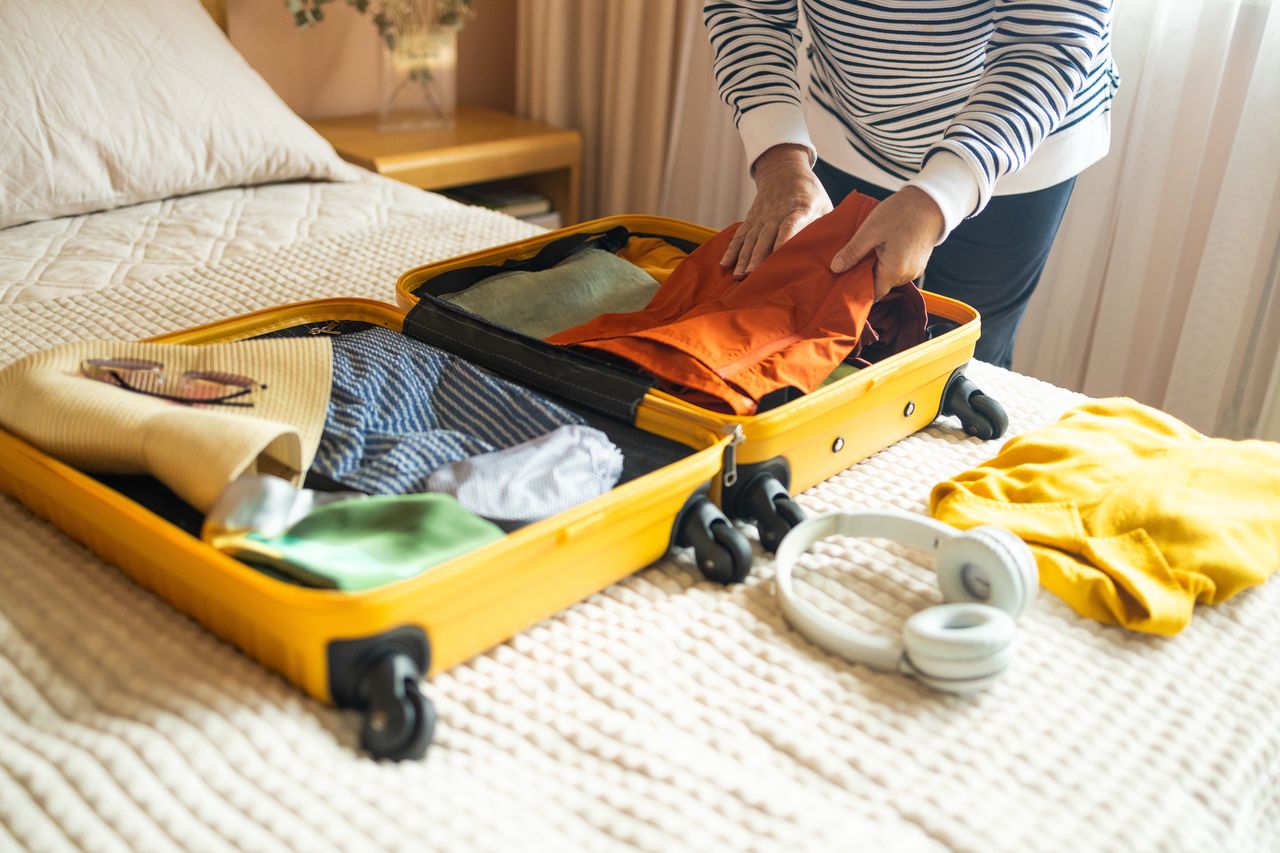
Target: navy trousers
[992, 261]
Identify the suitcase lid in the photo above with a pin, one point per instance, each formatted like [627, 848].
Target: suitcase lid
[939, 306]
[948, 317]
[663, 226]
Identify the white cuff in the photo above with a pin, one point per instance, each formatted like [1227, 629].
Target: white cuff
[774, 124]
[952, 185]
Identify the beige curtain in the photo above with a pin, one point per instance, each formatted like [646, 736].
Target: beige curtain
[634, 77]
[1163, 282]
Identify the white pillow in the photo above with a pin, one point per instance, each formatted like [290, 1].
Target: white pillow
[116, 102]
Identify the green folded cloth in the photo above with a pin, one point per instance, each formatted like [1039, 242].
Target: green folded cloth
[843, 369]
[585, 285]
[366, 542]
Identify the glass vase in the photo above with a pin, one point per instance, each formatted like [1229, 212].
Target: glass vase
[418, 83]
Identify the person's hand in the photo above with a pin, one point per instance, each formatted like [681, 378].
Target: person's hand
[788, 197]
[902, 231]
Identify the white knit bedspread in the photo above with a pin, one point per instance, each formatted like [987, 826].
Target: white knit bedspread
[73, 255]
[663, 713]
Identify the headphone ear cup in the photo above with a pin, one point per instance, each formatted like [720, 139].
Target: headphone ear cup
[989, 565]
[958, 648]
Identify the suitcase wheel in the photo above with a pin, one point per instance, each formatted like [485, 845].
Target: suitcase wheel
[722, 553]
[979, 415]
[729, 559]
[399, 721]
[991, 421]
[772, 509]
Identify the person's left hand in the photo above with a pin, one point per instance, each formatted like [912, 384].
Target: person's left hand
[902, 231]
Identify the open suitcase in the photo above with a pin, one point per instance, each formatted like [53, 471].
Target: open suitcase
[786, 449]
[368, 650]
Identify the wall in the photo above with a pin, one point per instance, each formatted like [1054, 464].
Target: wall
[332, 69]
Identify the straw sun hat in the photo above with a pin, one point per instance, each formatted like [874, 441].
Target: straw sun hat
[196, 450]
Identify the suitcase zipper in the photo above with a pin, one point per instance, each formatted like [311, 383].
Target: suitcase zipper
[333, 327]
[730, 467]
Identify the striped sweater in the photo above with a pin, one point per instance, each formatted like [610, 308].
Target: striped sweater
[953, 96]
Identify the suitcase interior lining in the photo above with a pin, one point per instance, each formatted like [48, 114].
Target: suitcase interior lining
[609, 386]
[642, 452]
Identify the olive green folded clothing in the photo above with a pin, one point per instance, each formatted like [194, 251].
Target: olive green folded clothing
[364, 542]
[585, 285]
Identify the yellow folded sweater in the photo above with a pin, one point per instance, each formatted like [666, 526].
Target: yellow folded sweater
[1133, 516]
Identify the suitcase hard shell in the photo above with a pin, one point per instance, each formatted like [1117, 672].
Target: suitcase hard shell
[369, 649]
[807, 440]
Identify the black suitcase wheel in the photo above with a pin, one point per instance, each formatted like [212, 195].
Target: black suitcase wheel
[790, 512]
[993, 419]
[979, 415]
[728, 559]
[773, 510]
[722, 553]
[399, 722]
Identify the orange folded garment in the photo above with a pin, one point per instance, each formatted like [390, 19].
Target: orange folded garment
[721, 341]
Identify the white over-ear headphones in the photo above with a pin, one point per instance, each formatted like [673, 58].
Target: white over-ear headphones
[987, 575]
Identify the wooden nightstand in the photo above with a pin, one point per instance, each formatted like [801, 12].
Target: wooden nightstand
[484, 145]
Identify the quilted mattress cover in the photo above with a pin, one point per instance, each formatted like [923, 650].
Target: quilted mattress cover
[663, 713]
[66, 257]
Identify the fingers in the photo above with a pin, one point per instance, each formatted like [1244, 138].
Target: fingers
[769, 238]
[895, 264]
[787, 198]
[864, 240]
[765, 240]
[885, 281]
[748, 247]
[790, 227]
[735, 247]
[892, 269]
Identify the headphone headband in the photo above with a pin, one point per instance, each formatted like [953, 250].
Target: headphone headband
[915, 531]
[958, 647]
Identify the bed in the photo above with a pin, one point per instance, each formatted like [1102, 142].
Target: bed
[662, 713]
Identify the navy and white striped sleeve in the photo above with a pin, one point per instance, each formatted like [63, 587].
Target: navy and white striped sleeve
[1038, 58]
[756, 44]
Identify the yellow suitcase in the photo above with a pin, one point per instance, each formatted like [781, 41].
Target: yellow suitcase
[791, 447]
[369, 649]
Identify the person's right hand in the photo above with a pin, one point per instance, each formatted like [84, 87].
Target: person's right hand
[788, 197]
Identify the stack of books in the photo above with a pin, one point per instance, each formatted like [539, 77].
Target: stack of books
[509, 198]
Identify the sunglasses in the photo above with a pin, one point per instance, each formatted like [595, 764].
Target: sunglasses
[208, 387]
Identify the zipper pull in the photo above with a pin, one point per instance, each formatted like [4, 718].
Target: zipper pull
[730, 471]
[329, 328]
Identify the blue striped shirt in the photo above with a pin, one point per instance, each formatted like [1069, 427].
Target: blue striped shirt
[987, 81]
[399, 409]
